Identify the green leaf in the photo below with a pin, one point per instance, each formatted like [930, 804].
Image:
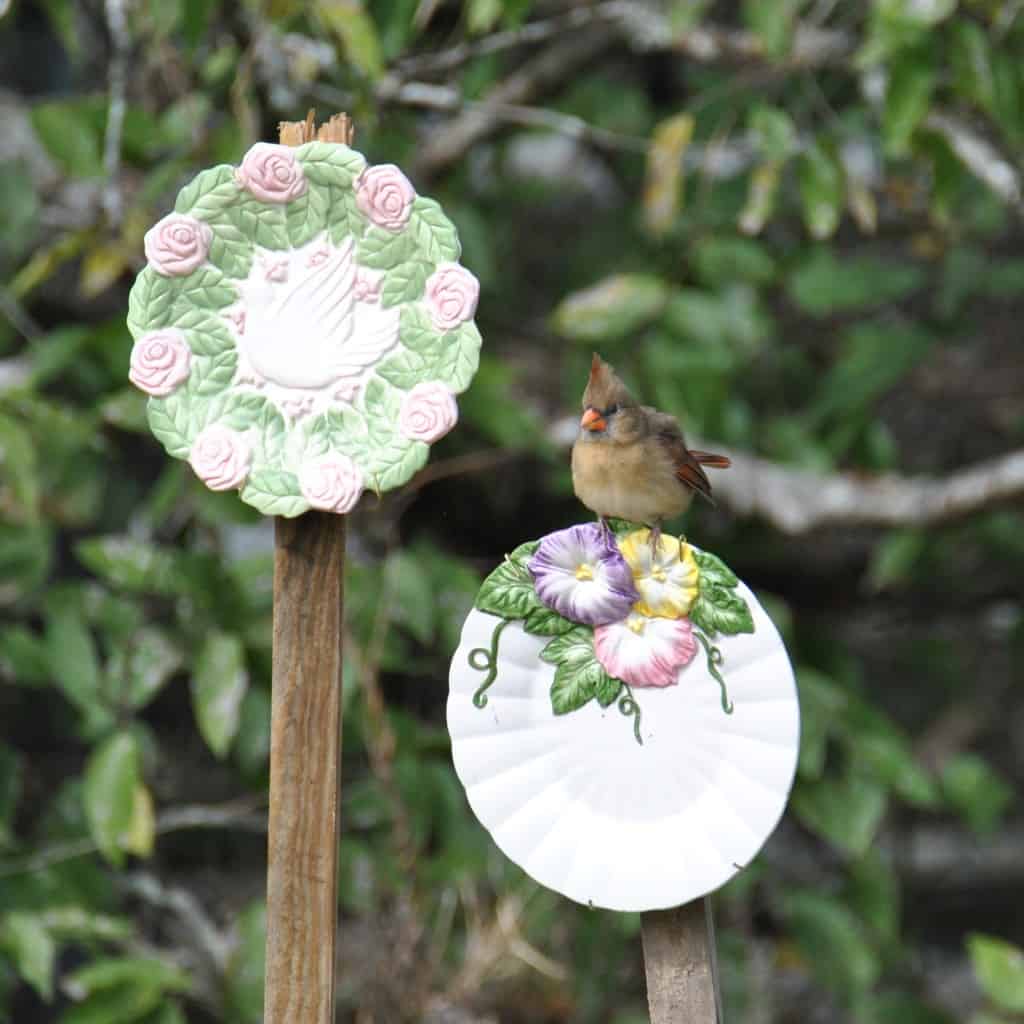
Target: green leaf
[405, 282]
[207, 194]
[205, 288]
[846, 812]
[821, 190]
[873, 358]
[612, 308]
[239, 410]
[720, 261]
[907, 100]
[219, 683]
[451, 358]
[971, 61]
[26, 940]
[773, 132]
[243, 979]
[999, 967]
[720, 610]
[579, 676]
[127, 564]
[833, 942]
[69, 138]
[772, 22]
[211, 376]
[307, 215]
[139, 670]
[111, 776]
[435, 236]
[20, 478]
[356, 31]
[149, 302]
[330, 164]
[381, 249]
[713, 571]
[72, 658]
[261, 223]
[823, 285]
[275, 493]
[873, 892]
[173, 424]
[230, 250]
[115, 972]
[509, 591]
[11, 777]
[976, 791]
[545, 622]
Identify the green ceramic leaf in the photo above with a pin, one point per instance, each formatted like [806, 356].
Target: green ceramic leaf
[327, 163]
[509, 592]
[721, 610]
[713, 570]
[212, 375]
[433, 231]
[149, 303]
[206, 332]
[230, 250]
[169, 419]
[578, 674]
[307, 216]
[202, 184]
[544, 621]
[405, 282]
[382, 249]
[451, 358]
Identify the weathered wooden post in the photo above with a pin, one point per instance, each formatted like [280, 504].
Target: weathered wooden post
[624, 719]
[680, 963]
[302, 329]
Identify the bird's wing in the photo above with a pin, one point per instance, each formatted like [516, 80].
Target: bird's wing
[688, 464]
[373, 336]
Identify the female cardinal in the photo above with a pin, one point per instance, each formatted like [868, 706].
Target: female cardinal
[631, 461]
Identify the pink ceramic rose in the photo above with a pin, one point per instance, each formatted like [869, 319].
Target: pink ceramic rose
[221, 456]
[271, 173]
[428, 412]
[332, 483]
[160, 362]
[385, 195]
[451, 295]
[178, 244]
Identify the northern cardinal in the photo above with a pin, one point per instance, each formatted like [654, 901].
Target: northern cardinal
[631, 461]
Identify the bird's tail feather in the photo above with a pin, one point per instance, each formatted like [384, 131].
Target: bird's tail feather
[715, 461]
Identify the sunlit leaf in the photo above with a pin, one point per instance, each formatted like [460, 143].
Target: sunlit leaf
[111, 778]
[999, 968]
[219, 683]
[665, 155]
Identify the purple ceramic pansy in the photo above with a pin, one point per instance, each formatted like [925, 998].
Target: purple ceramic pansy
[582, 576]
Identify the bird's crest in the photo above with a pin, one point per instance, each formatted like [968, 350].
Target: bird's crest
[604, 388]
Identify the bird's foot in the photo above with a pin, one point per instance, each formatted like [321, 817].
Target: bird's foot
[655, 538]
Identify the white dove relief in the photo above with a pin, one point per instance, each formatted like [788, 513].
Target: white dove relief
[308, 332]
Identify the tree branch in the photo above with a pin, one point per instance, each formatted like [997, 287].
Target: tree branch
[796, 501]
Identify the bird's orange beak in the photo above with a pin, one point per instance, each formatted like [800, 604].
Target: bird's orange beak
[593, 421]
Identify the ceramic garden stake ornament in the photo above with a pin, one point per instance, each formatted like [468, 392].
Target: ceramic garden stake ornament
[623, 713]
[302, 329]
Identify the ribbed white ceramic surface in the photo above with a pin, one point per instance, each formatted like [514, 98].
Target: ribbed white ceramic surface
[586, 810]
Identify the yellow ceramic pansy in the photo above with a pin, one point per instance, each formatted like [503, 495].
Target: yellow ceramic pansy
[666, 577]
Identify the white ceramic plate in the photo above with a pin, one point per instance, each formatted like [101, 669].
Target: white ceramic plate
[587, 811]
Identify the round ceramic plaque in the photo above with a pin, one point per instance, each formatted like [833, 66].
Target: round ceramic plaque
[624, 719]
[302, 327]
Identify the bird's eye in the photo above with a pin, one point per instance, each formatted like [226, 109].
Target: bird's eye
[611, 410]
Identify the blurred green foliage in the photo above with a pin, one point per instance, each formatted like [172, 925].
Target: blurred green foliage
[794, 223]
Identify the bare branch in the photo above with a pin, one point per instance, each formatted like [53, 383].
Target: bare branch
[117, 25]
[796, 501]
[449, 143]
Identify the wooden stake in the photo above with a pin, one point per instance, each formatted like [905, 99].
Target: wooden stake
[679, 958]
[305, 744]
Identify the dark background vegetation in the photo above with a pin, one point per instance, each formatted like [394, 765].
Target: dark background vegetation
[796, 223]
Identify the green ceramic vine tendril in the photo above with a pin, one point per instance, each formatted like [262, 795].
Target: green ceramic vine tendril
[628, 706]
[715, 658]
[484, 660]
